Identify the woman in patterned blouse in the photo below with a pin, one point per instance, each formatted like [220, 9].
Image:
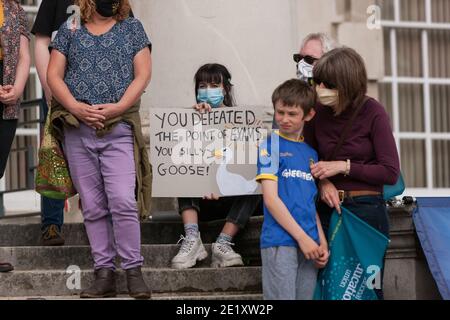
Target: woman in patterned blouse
[14, 68]
[98, 71]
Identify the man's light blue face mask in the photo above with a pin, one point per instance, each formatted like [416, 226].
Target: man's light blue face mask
[213, 96]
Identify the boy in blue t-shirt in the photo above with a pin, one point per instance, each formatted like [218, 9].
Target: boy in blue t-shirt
[293, 245]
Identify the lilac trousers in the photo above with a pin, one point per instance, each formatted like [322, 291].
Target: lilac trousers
[104, 174]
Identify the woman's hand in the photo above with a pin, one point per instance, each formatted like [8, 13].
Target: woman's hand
[90, 115]
[330, 195]
[9, 94]
[202, 107]
[327, 169]
[110, 110]
[212, 196]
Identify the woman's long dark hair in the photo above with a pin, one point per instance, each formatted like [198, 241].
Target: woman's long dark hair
[216, 73]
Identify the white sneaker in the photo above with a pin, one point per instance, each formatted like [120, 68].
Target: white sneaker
[224, 256]
[191, 251]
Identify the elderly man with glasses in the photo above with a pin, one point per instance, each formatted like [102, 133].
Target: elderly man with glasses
[313, 47]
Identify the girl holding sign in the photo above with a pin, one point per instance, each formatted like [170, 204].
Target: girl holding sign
[213, 89]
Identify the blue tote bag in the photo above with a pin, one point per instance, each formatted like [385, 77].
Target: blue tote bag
[357, 253]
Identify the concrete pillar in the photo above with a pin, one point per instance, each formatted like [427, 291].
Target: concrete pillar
[407, 276]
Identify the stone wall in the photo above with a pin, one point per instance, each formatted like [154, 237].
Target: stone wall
[407, 276]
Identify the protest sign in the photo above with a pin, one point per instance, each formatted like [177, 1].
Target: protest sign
[195, 154]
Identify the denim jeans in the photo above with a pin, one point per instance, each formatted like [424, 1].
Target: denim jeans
[370, 209]
[236, 210]
[52, 210]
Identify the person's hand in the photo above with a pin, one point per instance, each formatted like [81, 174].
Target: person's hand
[322, 261]
[109, 110]
[202, 107]
[326, 169]
[212, 196]
[90, 115]
[330, 195]
[9, 94]
[310, 248]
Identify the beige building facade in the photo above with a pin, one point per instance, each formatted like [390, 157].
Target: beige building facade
[255, 39]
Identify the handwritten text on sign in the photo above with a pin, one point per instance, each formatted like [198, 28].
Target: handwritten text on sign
[195, 154]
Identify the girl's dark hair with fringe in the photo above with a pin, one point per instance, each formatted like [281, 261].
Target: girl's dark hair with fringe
[216, 73]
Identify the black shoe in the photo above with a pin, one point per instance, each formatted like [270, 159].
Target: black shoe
[51, 236]
[6, 267]
[136, 285]
[104, 285]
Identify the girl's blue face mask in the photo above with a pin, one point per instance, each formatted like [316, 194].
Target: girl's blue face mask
[212, 96]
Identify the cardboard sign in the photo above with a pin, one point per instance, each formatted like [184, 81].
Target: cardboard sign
[195, 154]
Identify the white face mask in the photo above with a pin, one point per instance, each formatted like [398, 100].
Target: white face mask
[304, 70]
[327, 97]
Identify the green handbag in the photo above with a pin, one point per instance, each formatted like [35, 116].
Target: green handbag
[53, 177]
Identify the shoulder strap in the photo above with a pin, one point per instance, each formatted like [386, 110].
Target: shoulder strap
[347, 128]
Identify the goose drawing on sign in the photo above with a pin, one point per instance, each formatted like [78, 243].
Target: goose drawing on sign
[229, 183]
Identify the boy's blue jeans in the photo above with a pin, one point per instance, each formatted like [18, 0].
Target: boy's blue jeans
[52, 210]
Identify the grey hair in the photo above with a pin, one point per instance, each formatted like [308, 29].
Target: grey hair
[327, 43]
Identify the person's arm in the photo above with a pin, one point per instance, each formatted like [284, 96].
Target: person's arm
[55, 78]
[385, 171]
[42, 58]
[329, 194]
[142, 75]
[281, 214]
[12, 93]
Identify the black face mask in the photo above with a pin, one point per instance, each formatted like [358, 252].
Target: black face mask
[107, 8]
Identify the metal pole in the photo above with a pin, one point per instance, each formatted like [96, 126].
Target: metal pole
[2, 188]
[30, 167]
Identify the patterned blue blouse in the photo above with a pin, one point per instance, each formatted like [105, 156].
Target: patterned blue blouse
[100, 68]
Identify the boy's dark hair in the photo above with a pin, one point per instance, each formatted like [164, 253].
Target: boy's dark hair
[295, 93]
[216, 73]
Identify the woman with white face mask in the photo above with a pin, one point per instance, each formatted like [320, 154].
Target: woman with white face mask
[367, 158]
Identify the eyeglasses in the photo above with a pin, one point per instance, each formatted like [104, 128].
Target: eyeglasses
[308, 59]
[328, 85]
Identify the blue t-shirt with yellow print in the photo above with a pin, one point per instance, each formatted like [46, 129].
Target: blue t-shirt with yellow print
[288, 162]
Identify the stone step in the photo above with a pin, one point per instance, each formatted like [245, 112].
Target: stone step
[12, 235]
[198, 280]
[160, 296]
[60, 258]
